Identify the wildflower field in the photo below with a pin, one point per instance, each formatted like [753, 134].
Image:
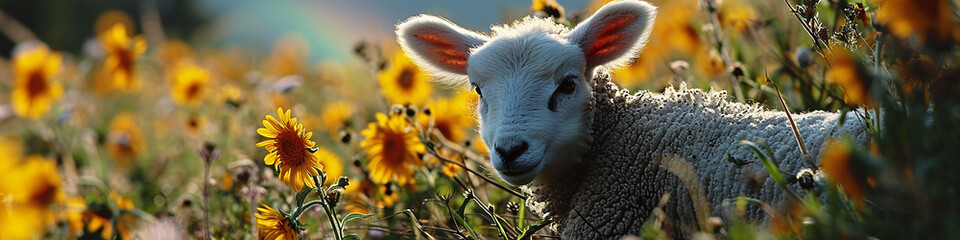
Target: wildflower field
[149, 120]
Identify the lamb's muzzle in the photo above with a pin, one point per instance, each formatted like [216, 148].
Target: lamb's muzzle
[589, 152]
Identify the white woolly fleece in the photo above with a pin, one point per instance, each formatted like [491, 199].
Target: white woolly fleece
[637, 135]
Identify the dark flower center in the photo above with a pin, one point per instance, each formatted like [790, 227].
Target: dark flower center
[394, 148]
[193, 90]
[46, 194]
[36, 83]
[405, 80]
[291, 148]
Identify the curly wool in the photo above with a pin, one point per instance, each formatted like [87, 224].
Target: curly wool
[635, 137]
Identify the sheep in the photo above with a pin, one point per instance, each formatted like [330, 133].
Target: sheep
[593, 156]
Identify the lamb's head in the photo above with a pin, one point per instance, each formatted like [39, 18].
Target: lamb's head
[533, 78]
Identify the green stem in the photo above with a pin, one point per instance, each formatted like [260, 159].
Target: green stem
[327, 209]
[333, 221]
[301, 209]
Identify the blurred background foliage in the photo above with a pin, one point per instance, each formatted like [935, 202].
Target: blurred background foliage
[140, 118]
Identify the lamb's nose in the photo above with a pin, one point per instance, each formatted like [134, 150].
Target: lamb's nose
[511, 149]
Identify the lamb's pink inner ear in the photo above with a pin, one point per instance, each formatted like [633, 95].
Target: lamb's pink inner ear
[444, 51]
[609, 41]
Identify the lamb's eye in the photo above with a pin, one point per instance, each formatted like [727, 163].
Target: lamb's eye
[477, 89]
[567, 87]
[569, 84]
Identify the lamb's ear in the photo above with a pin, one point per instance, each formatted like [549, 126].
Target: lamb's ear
[615, 33]
[437, 44]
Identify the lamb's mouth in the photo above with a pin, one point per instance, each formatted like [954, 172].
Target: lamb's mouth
[517, 173]
[520, 171]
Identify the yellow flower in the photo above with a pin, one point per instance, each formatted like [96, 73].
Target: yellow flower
[837, 166]
[37, 182]
[289, 146]
[710, 64]
[402, 82]
[194, 124]
[550, 7]
[737, 14]
[99, 218]
[391, 146]
[110, 18]
[451, 169]
[125, 142]
[335, 116]
[122, 51]
[18, 222]
[450, 116]
[447, 168]
[844, 72]
[28, 190]
[75, 208]
[357, 191]
[676, 36]
[34, 89]
[273, 225]
[388, 195]
[230, 94]
[189, 84]
[332, 165]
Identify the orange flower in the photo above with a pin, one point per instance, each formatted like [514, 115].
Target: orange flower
[844, 72]
[928, 19]
[836, 165]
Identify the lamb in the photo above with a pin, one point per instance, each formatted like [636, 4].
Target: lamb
[593, 156]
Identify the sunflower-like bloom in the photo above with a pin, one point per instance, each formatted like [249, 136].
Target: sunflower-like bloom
[402, 82]
[98, 218]
[125, 141]
[32, 189]
[290, 150]
[450, 116]
[122, 51]
[391, 146]
[335, 116]
[189, 84]
[273, 225]
[34, 89]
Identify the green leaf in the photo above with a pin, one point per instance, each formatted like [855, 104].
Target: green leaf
[463, 207]
[302, 195]
[521, 213]
[352, 236]
[532, 229]
[459, 219]
[736, 161]
[352, 217]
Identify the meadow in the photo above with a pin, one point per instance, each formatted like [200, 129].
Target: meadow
[141, 135]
